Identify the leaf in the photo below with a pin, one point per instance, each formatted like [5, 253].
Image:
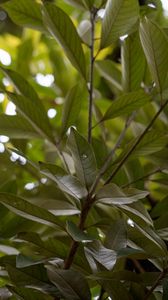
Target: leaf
[77, 234]
[22, 86]
[112, 194]
[83, 156]
[155, 44]
[116, 236]
[116, 275]
[71, 108]
[25, 13]
[62, 28]
[110, 71]
[33, 114]
[71, 284]
[16, 127]
[119, 18]
[116, 290]
[165, 289]
[28, 294]
[104, 256]
[126, 104]
[137, 212]
[28, 210]
[66, 182]
[133, 63]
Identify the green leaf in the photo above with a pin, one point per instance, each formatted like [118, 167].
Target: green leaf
[33, 114]
[116, 290]
[66, 182]
[116, 236]
[28, 210]
[83, 156]
[25, 13]
[71, 108]
[28, 294]
[77, 234]
[96, 252]
[22, 86]
[119, 18]
[71, 284]
[116, 275]
[112, 194]
[165, 289]
[137, 212]
[62, 28]
[17, 127]
[110, 71]
[133, 63]
[155, 44]
[126, 104]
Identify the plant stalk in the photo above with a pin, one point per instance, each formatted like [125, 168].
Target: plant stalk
[122, 162]
[156, 283]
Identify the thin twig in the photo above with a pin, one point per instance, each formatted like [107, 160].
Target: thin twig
[111, 154]
[142, 178]
[90, 87]
[156, 283]
[122, 162]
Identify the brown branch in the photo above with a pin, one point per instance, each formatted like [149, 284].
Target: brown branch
[156, 283]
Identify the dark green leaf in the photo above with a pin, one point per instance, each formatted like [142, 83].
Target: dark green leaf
[77, 234]
[71, 284]
[62, 28]
[83, 156]
[119, 18]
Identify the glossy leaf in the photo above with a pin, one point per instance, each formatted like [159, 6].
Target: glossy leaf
[133, 63]
[25, 13]
[28, 210]
[66, 182]
[119, 18]
[126, 104]
[110, 71]
[83, 156]
[71, 284]
[112, 194]
[155, 43]
[77, 234]
[63, 29]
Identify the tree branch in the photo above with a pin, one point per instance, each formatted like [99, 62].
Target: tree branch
[122, 162]
[156, 283]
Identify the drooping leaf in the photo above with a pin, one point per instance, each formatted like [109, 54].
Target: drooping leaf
[17, 127]
[137, 212]
[126, 104]
[119, 18]
[95, 251]
[71, 108]
[71, 284]
[28, 294]
[66, 182]
[116, 237]
[112, 194]
[33, 114]
[62, 28]
[116, 290]
[77, 234]
[28, 210]
[155, 43]
[83, 156]
[25, 13]
[133, 63]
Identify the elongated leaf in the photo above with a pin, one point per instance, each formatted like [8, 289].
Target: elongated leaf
[22, 86]
[25, 13]
[137, 212]
[116, 290]
[61, 27]
[71, 108]
[116, 237]
[28, 210]
[155, 44]
[96, 251]
[165, 289]
[17, 127]
[66, 182]
[133, 63]
[126, 104]
[33, 114]
[83, 156]
[77, 234]
[108, 70]
[119, 18]
[28, 294]
[71, 284]
[112, 194]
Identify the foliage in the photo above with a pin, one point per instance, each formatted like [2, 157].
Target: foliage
[84, 159]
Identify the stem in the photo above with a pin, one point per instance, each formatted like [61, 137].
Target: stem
[156, 283]
[142, 178]
[90, 88]
[111, 154]
[136, 143]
